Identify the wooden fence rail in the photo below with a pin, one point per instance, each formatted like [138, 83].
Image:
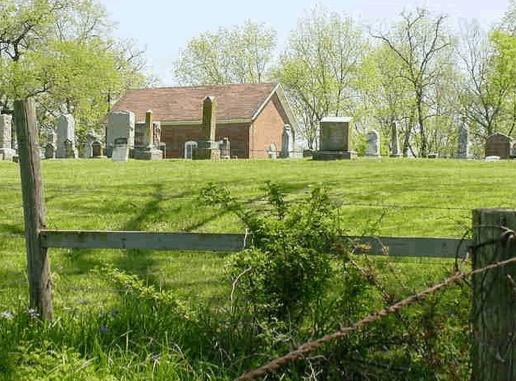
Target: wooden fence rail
[89, 239]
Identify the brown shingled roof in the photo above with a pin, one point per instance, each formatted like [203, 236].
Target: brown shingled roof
[185, 103]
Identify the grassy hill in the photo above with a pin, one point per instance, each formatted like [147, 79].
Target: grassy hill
[405, 197]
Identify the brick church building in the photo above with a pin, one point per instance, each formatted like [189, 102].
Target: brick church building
[252, 116]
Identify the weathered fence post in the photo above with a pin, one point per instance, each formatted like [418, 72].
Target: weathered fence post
[38, 267]
[494, 297]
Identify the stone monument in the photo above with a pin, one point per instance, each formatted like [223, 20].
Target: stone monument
[498, 144]
[335, 139]
[271, 151]
[373, 144]
[120, 125]
[208, 148]
[287, 142]
[66, 137]
[395, 144]
[6, 152]
[96, 149]
[463, 142]
[51, 145]
[225, 149]
[144, 142]
[120, 150]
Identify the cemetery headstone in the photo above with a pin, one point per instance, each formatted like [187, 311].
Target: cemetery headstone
[498, 144]
[225, 149]
[463, 142]
[373, 144]
[190, 147]
[272, 151]
[287, 142]
[163, 148]
[120, 150]
[70, 150]
[6, 152]
[50, 151]
[156, 134]
[87, 150]
[120, 125]
[335, 139]
[307, 153]
[207, 148]
[144, 148]
[96, 149]
[66, 137]
[395, 144]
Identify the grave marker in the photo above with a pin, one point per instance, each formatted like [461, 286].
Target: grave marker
[120, 125]
[287, 143]
[373, 144]
[6, 152]
[207, 148]
[335, 139]
[498, 144]
[66, 137]
[120, 150]
[463, 142]
[395, 145]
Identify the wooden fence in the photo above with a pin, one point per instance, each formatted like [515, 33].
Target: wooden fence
[88, 239]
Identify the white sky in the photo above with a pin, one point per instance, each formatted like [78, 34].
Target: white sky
[164, 27]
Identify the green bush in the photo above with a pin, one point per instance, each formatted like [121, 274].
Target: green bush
[288, 263]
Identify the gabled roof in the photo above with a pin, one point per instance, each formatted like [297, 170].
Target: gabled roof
[180, 104]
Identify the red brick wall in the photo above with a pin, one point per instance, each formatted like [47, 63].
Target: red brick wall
[266, 128]
[175, 138]
[498, 145]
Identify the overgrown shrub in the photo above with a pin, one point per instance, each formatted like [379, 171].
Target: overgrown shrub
[288, 263]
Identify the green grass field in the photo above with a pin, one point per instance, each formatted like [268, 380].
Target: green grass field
[415, 197]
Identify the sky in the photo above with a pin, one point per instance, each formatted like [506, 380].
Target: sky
[164, 27]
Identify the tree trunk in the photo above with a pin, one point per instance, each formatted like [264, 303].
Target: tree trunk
[422, 133]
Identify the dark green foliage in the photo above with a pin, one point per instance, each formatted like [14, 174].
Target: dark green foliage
[289, 262]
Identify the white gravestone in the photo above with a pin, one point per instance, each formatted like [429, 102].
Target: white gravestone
[121, 150]
[373, 144]
[272, 151]
[66, 137]
[6, 153]
[395, 145]
[120, 125]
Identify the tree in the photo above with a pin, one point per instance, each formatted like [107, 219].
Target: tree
[386, 95]
[422, 44]
[319, 68]
[238, 55]
[481, 94]
[61, 52]
[504, 76]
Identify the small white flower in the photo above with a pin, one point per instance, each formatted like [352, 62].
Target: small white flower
[32, 312]
[7, 315]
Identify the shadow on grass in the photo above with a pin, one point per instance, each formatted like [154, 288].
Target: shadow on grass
[138, 262]
[12, 228]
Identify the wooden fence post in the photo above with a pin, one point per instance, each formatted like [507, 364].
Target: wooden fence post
[494, 298]
[38, 266]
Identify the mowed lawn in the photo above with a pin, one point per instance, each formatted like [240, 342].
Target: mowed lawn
[390, 197]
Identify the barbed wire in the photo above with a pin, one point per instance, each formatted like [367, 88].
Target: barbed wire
[506, 236]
